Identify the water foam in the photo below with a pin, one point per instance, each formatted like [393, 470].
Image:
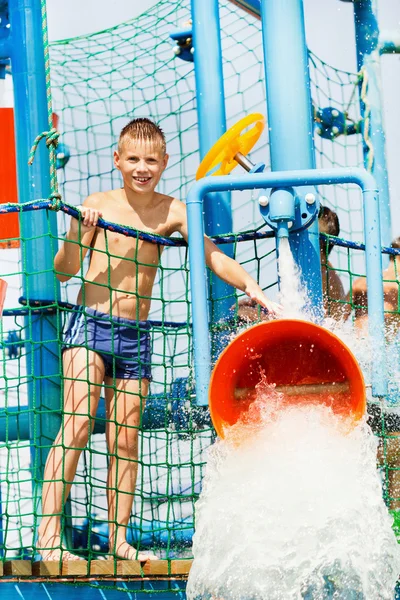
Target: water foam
[292, 505]
[293, 509]
[292, 294]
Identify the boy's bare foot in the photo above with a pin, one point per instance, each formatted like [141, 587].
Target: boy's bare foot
[57, 554]
[128, 552]
[50, 548]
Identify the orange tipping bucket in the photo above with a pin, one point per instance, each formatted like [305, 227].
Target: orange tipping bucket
[306, 362]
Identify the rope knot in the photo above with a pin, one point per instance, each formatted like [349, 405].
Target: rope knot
[51, 136]
[55, 201]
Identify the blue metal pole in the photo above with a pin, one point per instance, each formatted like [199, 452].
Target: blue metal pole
[38, 230]
[290, 118]
[210, 98]
[368, 60]
[373, 259]
[286, 179]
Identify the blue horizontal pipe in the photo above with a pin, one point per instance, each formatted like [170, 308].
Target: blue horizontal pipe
[14, 421]
[308, 177]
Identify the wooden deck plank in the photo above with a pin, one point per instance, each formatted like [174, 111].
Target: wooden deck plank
[51, 568]
[181, 567]
[129, 567]
[75, 567]
[103, 567]
[156, 567]
[22, 568]
[48, 568]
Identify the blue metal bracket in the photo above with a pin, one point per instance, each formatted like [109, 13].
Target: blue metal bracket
[184, 43]
[298, 209]
[258, 168]
[331, 122]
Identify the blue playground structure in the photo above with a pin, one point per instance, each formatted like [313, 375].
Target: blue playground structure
[188, 71]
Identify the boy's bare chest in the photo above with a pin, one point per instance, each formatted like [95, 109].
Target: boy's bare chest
[126, 246]
[116, 246]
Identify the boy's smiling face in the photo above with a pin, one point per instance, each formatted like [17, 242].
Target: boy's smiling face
[141, 162]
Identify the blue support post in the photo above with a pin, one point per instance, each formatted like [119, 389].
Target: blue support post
[38, 229]
[287, 179]
[290, 118]
[210, 98]
[368, 60]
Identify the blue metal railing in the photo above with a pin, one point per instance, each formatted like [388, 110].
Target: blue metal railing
[285, 179]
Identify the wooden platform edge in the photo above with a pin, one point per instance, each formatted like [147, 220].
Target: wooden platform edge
[21, 568]
[133, 568]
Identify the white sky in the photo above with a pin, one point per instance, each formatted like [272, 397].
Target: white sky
[330, 35]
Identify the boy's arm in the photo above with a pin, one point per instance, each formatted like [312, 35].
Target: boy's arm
[68, 259]
[358, 287]
[225, 267]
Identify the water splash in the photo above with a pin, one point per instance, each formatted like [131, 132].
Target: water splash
[292, 295]
[293, 511]
[292, 507]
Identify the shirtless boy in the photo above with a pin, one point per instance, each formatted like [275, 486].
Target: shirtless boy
[332, 287]
[114, 304]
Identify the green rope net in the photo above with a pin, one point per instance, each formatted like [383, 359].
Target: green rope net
[98, 83]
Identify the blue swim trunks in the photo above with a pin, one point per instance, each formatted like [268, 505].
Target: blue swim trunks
[124, 345]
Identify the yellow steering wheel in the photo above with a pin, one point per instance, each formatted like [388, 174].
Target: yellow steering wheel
[231, 144]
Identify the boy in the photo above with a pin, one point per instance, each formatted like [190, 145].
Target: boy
[114, 304]
[332, 287]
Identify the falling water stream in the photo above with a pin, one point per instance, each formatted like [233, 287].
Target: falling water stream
[291, 506]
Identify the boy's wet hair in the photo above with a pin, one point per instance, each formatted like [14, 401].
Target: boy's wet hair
[330, 221]
[395, 244]
[145, 130]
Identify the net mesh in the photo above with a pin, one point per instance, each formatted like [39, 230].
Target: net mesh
[99, 82]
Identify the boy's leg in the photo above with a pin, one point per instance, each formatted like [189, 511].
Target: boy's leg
[125, 403]
[83, 372]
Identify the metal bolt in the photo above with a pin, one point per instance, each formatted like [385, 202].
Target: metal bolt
[335, 130]
[263, 200]
[177, 50]
[310, 198]
[335, 113]
[192, 50]
[290, 224]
